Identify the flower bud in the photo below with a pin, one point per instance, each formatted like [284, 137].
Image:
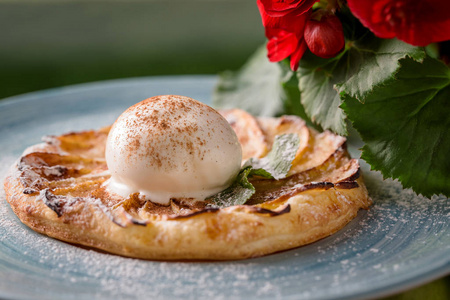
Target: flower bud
[325, 37]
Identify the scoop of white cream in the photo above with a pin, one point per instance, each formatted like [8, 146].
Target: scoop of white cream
[171, 147]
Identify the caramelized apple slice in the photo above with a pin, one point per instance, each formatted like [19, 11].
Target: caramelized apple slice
[320, 147]
[248, 131]
[286, 124]
[89, 143]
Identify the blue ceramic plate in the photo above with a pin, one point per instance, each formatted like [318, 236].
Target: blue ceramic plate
[401, 242]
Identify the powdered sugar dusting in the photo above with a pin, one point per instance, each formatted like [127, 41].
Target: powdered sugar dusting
[390, 239]
[402, 238]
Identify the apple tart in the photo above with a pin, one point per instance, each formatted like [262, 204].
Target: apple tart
[59, 188]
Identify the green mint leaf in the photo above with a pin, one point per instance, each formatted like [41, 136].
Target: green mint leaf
[237, 193]
[364, 64]
[276, 165]
[405, 125]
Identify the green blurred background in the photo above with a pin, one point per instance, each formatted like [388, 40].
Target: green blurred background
[48, 43]
[45, 44]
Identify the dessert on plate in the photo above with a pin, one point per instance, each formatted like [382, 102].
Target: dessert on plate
[174, 179]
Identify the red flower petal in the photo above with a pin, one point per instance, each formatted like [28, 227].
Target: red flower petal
[325, 38]
[279, 8]
[297, 55]
[284, 33]
[281, 45]
[417, 22]
[293, 22]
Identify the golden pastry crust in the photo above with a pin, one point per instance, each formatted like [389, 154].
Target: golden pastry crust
[57, 188]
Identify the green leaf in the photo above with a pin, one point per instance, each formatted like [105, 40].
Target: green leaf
[292, 104]
[261, 88]
[405, 124]
[255, 88]
[276, 165]
[379, 61]
[363, 65]
[237, 193]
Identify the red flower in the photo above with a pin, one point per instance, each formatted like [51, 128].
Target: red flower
[325, 36]
[417, 22]
[279, 8]
[285, 34]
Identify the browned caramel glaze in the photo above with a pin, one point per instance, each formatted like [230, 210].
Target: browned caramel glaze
[74, 172]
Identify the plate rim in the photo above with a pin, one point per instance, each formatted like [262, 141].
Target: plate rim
[401, 284]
